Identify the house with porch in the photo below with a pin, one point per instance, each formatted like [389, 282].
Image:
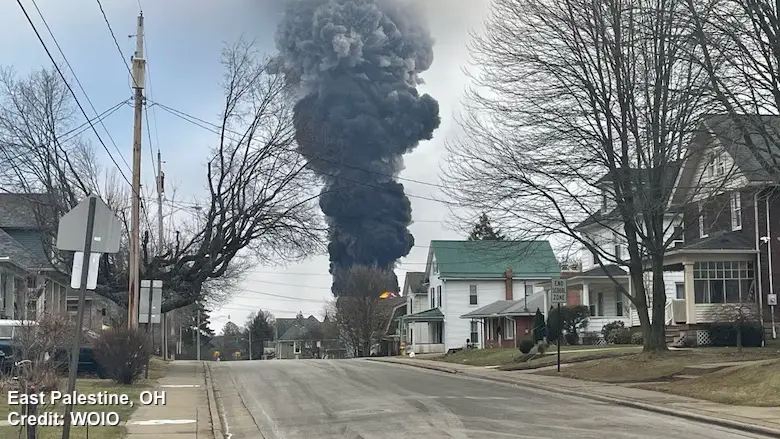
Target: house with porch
[30, 285]
[602, 271]
[506, 322]
[728, 195]
[464, 276]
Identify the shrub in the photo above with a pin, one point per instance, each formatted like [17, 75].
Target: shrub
[725, 334]
[123, 353]
[526, 346]
[572, 338]
[617, 324]
[637, 338]
[542, 348]
[619, 336]
[540, 326]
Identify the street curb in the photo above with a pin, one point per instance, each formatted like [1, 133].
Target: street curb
[419, 366]
[766, 431]
[216, 421]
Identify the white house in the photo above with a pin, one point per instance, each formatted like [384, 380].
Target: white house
[597, 282]
[463, 276]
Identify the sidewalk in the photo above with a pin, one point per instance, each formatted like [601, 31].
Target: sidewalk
[761, 420]
[186, 411]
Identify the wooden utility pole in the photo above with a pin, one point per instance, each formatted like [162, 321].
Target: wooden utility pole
[139, 79]
[160, 251]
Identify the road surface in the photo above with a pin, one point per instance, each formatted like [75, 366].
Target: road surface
[354, 399]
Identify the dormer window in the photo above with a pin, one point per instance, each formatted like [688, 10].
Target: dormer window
[435, 268]
[716, 166]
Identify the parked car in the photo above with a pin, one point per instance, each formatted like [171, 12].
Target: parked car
[9, 333]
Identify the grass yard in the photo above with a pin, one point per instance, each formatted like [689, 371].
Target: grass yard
[756, 384]
[507, 358]
[653, 367]
[157, 369]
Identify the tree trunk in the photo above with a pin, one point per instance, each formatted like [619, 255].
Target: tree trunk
[657, 340]
[32, 430]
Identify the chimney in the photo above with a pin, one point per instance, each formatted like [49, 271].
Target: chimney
[508, 284]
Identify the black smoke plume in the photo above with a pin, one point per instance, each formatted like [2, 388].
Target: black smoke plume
[355, 67]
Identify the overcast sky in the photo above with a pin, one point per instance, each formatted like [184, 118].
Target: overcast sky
[183, 43]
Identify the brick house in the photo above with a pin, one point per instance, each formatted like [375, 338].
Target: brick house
[731, 209]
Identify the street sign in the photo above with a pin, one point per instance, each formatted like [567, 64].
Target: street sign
[156, 303]
[559, 291]
[771, 299]
[92, 275]
[72, 230]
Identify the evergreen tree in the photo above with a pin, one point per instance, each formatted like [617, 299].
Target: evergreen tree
[261, 326]
[484, 231]
[540, 326]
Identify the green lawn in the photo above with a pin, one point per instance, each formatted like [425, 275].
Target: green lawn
[157, 370]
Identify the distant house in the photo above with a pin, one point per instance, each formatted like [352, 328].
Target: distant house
[29, 284]
[506, 322]
[390, 344]
[464, 276]
[300, 338]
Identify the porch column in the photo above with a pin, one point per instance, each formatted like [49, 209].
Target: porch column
[690, 296]
[585, 299]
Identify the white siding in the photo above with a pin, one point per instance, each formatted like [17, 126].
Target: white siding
[730, 180]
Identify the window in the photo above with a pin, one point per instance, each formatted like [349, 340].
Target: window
[411, 335]
[438, 296]
[474, 336]
[433, 297]
[509, 328]
[680, 290]
[435, 268]
[604, 202]
[616, 243]
[473, 295]
[723, 282]
[73, 305]
[600, 304]
[703, 228]
[720, 165]
[529, 290]
[618, 303]
[736, 211]
[678, 236]
[296, 347]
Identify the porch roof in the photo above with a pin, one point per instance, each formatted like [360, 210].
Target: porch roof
[509, 308]
[598, 273]
[724, 241]
[431, 315]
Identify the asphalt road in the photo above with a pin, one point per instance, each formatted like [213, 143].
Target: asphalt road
[353, 399]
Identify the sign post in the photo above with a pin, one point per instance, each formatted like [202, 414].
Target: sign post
[771, 300]
[149, 307]
[90, 227]
[559, 296]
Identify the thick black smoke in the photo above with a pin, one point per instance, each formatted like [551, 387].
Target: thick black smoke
[356, 66]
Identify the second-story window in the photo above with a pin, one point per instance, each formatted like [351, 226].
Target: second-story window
[616, 243]
[736, 211]
[473, 295]
[438, 296]
[604, 202]
[703, 228]
[433, 298]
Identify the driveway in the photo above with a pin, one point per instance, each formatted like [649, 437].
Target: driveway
[353, 399]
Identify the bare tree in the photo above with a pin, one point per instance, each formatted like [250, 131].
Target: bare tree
[575, 99]
[358, 312]
[40, 353]
[741, 56]
[259, 209]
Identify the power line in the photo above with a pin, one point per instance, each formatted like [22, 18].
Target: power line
[116, 42]
[75, 77]
[197, 121]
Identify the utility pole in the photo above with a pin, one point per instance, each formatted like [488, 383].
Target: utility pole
[197, 330]
[139, 79]
[160, 192]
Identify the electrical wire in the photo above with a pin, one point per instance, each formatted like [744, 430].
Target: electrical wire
[75, 77]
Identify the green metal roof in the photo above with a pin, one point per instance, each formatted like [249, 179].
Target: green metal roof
[490, 259]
